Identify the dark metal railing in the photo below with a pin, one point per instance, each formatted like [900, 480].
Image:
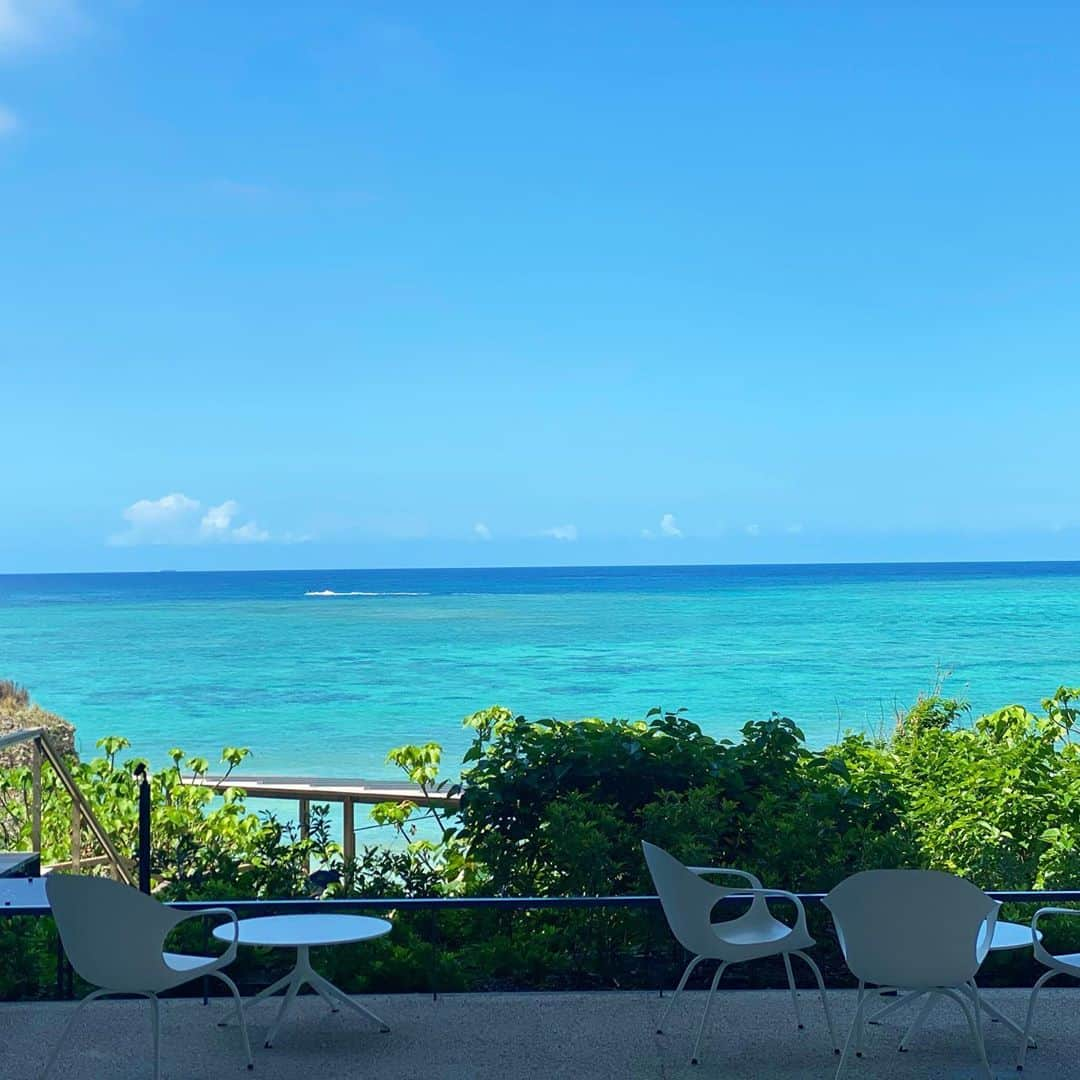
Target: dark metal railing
[503, 903]
[433, 905]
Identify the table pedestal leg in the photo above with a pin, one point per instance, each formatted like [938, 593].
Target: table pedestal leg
[906, 999]
[996, 1014]
[328, 998]
[262, 995]
[303, 973]
[899, 1003]
[327, 988]
[286, 1001]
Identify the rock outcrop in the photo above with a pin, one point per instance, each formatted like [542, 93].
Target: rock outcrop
[17, 713]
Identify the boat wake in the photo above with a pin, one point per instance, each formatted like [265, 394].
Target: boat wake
[330, 592]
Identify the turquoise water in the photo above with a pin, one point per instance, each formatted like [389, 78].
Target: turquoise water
[326, 684]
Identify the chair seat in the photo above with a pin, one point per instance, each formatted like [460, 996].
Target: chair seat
[755, 931]
[183, 962]
[1069, 960]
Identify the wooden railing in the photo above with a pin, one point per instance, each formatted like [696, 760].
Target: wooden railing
[305, 790]
[42, 752]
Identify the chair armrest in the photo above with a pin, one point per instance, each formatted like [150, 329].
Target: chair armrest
[230, 953]
[701, 871]
[1052, 911]
[982, 946]
[1042, 954]
[777, 894]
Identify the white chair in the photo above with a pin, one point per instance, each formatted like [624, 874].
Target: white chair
[114, 937]
[918, 930]
[688, 903]
[1064, 964]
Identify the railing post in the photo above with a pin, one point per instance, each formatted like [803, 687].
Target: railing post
[144, 827]
[35, 795]
[76, 837]
[305, 829]
[349, 831]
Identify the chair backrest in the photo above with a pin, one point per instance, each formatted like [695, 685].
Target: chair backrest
[112, 934]
[912, 928]
[688, 901]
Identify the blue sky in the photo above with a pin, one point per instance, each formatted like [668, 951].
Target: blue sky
[455, 284]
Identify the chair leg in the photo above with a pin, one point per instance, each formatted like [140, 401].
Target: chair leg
[824, 997]
[868, 996]
[977, 1012]
[155, 1013]
[1030, 1016]
[67, 1029]
[973, 1026]
[262, 995]
[222, 977]
[678, 990]
[794, 992]
[917, 1024]
[705, 1014]
[856, 1024]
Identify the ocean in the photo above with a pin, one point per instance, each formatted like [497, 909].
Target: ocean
[320, 672]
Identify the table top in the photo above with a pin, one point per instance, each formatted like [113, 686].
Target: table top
[1011, 935]
[23, 896]
[19, 863]
[298, 930]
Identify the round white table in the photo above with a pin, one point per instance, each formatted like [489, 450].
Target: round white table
[1007, 936]
[302, 933]
[1012, 935]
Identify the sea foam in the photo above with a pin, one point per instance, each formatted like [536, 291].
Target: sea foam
[330, 592]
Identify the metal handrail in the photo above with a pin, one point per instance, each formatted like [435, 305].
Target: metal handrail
[23, 735]
[521, 903]
[509, 903]
[81, 810]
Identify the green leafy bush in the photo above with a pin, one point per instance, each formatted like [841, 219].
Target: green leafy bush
[551, 808]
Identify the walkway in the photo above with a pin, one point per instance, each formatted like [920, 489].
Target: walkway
[511, 1036]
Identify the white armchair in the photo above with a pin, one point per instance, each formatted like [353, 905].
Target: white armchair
[1064, 964]
[918, 930]
[688, 903]
[114, 937]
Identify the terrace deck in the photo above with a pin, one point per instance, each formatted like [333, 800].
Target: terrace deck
[576, 1036]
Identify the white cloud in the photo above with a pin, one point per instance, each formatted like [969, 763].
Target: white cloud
[481, 531]
[157, 521]
[249, 534]
[795, 529]
[567, 533]
[168, 507]
[217, 525]
[9, 122]
[217, 519]
[175, 520]
[753, 530]
[668, 526]
[31, 23]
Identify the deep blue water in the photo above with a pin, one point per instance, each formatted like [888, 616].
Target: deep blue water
[326, 684]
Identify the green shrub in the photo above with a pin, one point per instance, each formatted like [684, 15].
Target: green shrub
[555, 808]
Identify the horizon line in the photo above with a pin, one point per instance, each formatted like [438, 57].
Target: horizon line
[549, 566]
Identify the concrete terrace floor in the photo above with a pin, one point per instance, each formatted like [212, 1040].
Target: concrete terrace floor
[508, 1036]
